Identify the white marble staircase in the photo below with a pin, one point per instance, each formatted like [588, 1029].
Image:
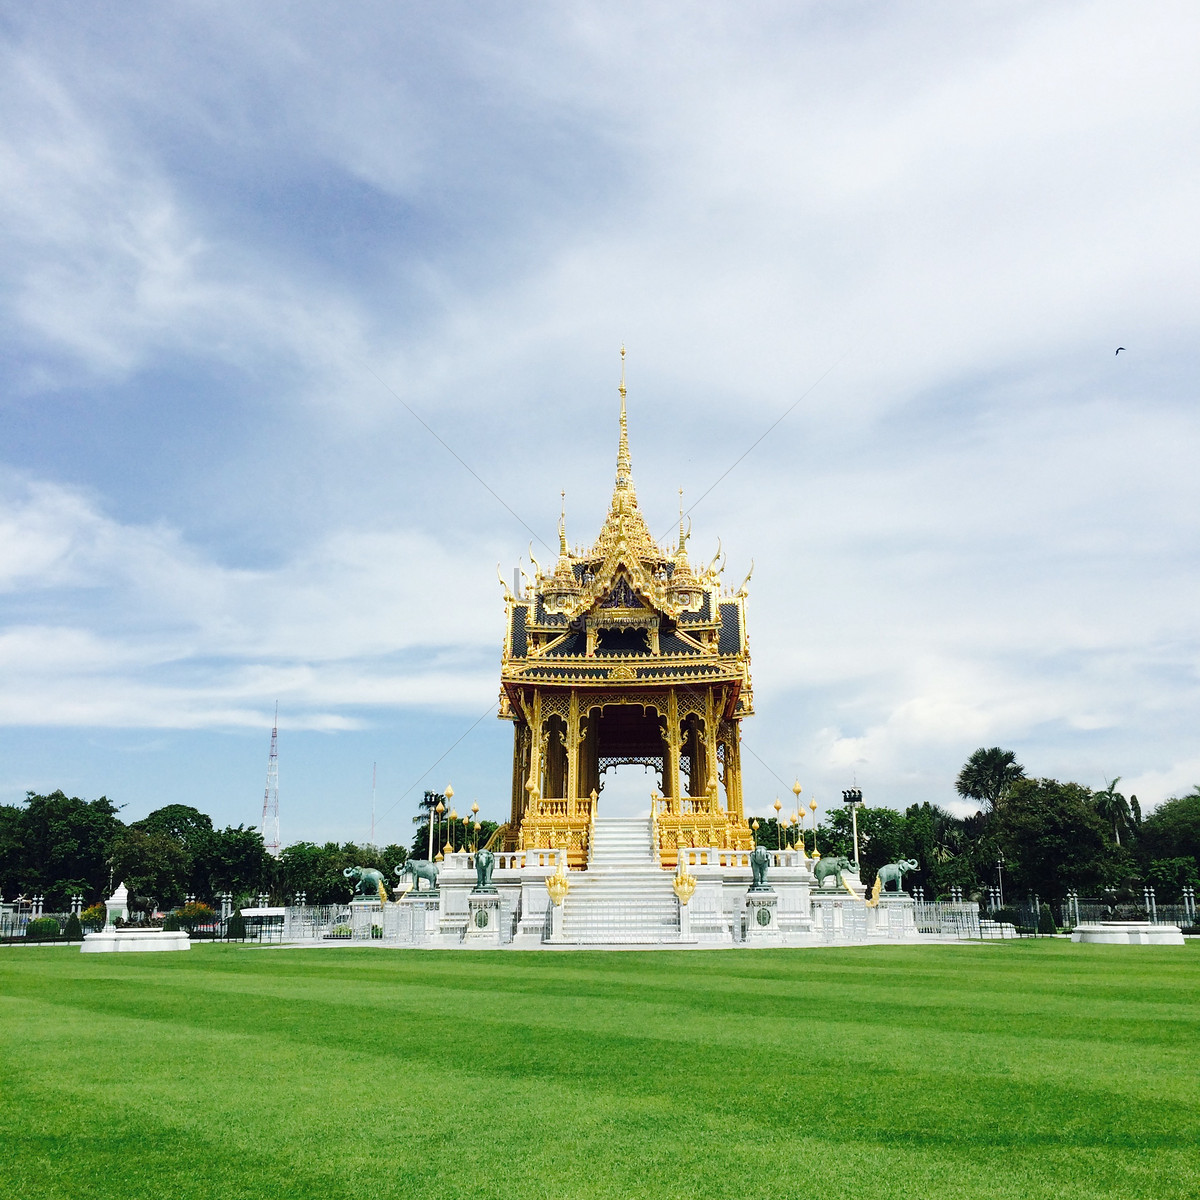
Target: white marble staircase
[623, 896]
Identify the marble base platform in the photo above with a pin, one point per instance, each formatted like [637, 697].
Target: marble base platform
[762, 918]
[483, 920]
[113, 941]
[1128, 933]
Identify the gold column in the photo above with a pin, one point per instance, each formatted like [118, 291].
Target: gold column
[733, 772]
[711, 715]
[518, 781]
[535, 746]
[671, 771]
[573, 751]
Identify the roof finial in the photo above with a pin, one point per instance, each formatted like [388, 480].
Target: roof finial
[562, 525]
[624, 465]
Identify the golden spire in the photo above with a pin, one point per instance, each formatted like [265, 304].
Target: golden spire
[562, 526]
[624, 464]
[624, 526]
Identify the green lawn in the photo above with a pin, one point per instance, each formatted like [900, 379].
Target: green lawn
[1030, 1069]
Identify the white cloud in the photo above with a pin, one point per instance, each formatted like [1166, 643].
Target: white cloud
[981, 527]
[176, 640]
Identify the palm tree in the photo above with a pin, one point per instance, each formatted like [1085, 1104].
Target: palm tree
[1112, 806]
[988, 774]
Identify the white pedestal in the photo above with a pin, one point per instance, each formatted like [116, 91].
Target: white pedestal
[895, 916]
[419, 914]
[483, 920]
[762, 919]
[1129, 933]
[685, 923]
[113, 941]
[556, 922]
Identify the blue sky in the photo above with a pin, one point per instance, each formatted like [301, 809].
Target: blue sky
[242, 245]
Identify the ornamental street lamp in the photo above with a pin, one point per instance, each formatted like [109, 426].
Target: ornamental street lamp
[441, 808]
[778, 806]
[796, 790]
[852, 798]
[1000, 875]
[812, 804]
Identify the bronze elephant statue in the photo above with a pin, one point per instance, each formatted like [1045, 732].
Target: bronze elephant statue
[895, 872]
[485, 863]
[760, 860]
[831, 866]
[419, 869]
[369, 883]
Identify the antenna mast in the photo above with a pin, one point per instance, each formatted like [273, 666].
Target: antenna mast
[270, 817]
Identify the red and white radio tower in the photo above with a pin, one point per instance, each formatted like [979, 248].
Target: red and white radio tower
[270, 820]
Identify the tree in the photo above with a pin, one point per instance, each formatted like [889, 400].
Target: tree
[190, 830]
[1114, 809]
[988, 775]
[55, 842]
[1172, 875]
[154, 865]
[1053, 839]
[237, 861]
[1172, 830]
[883, 837]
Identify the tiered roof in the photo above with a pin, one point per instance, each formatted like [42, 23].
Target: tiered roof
[627, 610]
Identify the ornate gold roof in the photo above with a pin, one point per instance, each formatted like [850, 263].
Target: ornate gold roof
[627, 608]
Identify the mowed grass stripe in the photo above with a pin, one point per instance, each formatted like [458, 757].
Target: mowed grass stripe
[604, 1074]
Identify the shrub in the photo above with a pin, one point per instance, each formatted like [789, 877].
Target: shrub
[1046, 920]
[94, 916]
[377, 931]
[74, 930]
[42, 929]
[171, 923]
[196, 913]
[235, 928]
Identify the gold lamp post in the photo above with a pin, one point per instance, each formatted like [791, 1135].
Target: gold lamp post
[796, 790]
[812, 804]
[476, 837]
[475, 818]
[778, 831]
[450, 831]
[787, 825]
[441, 808]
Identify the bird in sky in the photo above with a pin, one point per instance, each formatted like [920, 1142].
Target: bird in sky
[1119, 349]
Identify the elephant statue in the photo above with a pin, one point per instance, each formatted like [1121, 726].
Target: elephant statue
[485, 863]
[369, 883]
[895, 872]
[419, 869]
[760, 859]
[831, 866]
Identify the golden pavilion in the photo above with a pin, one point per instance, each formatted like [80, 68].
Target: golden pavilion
[626, 653]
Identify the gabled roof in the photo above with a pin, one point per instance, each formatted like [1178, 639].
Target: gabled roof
[626, 607]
